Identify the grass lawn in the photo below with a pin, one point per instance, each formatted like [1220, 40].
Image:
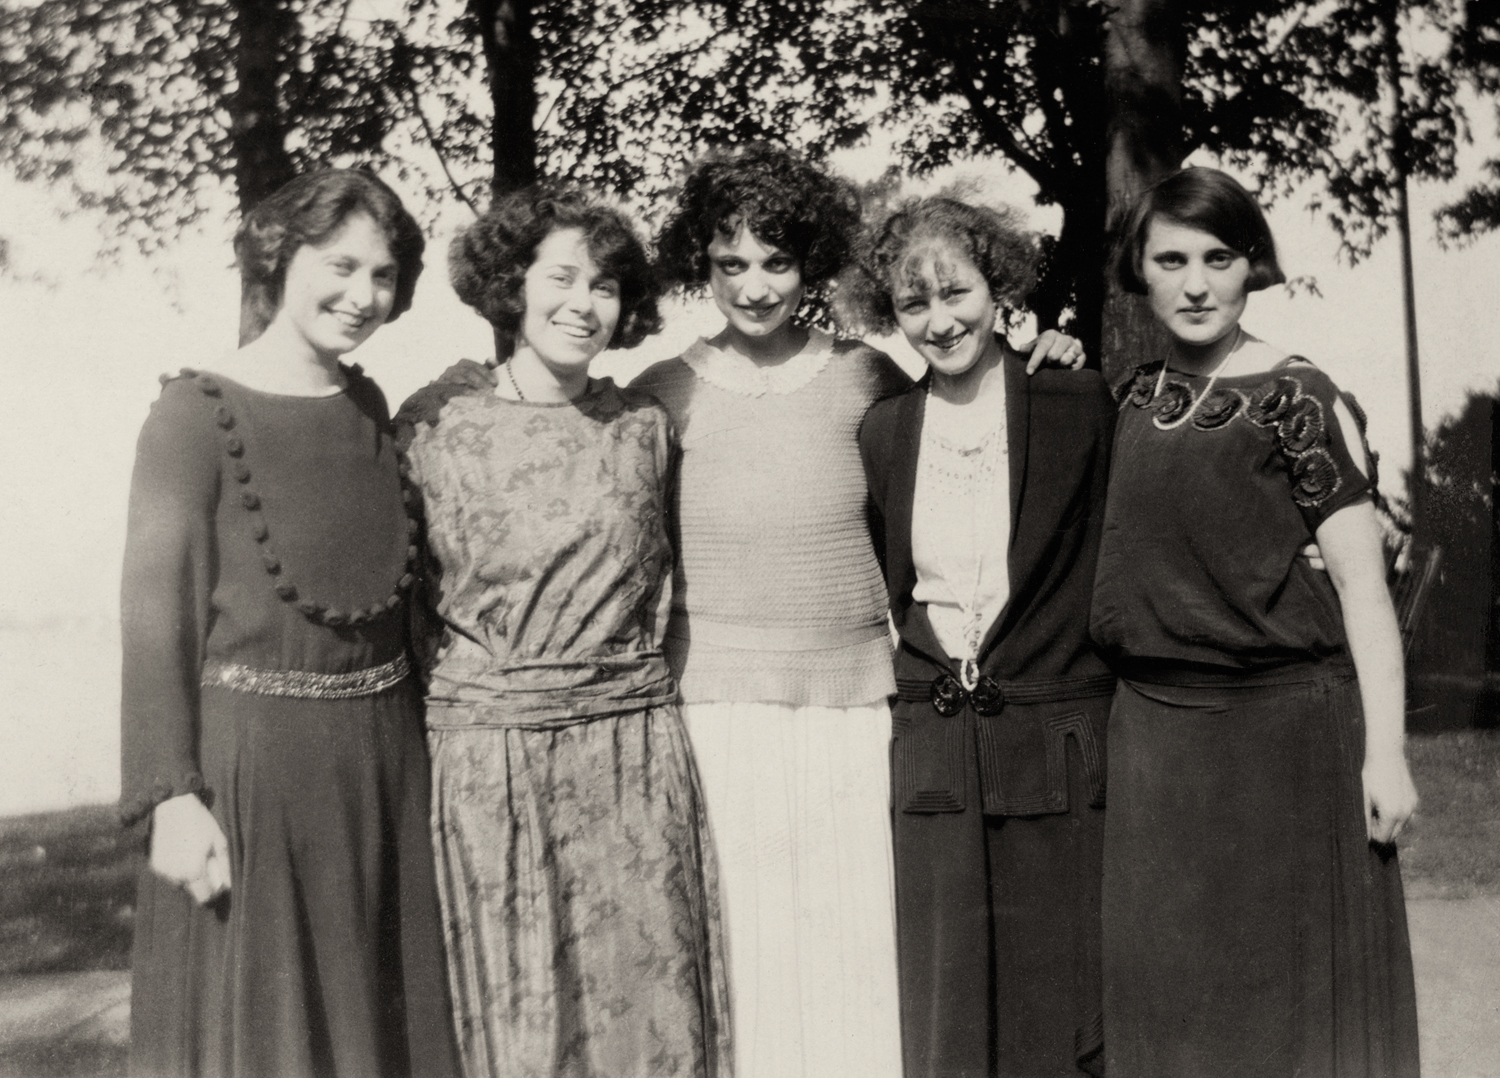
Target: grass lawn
[1452, 848]
[67, 901]
[67, 891]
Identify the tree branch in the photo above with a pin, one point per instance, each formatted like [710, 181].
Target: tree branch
[416, 107]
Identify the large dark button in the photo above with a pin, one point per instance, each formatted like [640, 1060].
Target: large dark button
[948, 696]
[987, 696]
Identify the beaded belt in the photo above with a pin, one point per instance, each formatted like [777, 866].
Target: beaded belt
[304, 683]
[948, 696]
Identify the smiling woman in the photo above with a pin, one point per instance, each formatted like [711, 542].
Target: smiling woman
[288, 921]
[576, 876]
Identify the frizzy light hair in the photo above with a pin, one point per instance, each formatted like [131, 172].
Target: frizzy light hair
[1004, 252]
[488, 260]
[1210, 201]
[308, 210]
[782, 198]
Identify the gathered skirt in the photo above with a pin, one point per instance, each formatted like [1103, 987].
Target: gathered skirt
[1251, 930]
[580, 900]
[325, 958]
[799, 805]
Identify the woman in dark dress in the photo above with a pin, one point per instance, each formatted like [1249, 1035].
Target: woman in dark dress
[987, 491]
[1253, 916]
[287, 923]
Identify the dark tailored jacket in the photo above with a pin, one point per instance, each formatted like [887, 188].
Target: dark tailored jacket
[1059, 425]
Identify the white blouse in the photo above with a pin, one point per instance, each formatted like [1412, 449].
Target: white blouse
[960, 532]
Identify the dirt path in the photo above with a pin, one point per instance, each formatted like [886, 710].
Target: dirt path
[76, 1025]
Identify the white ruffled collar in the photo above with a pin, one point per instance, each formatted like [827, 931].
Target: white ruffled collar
[736, 374]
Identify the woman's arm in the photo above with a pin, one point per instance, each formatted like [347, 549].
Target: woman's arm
[1350, 541]
[165, 613]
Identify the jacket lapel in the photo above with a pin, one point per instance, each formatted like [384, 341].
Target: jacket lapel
[1018, 440]
[912, 624]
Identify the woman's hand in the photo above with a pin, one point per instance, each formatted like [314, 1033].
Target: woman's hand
[1390, 796]
[1054, 349]
[188, 848]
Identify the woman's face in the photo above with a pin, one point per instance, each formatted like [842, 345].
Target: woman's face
[1195, 282]
[339, 291]
[572, 306]
[757, 287]
[944, 306]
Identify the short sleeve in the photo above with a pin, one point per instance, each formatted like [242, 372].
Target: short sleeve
[1324, 477]
[166, 599]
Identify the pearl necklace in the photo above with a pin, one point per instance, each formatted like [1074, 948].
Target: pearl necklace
[511, 370]
[1161, 383]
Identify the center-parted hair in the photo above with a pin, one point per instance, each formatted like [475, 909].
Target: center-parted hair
[488, 260]
[1208, 200]
[891, 252]
[307, 210]
[782, 198]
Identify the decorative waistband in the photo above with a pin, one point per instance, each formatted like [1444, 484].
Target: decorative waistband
[690, 628]
[305, 684]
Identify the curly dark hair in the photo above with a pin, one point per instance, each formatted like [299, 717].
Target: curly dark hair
[488, 260]
[1004, 252]
[1208, 200]
[782, 198]
[309, 209]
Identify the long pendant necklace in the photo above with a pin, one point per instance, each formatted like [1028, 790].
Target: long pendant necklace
[1161, 383]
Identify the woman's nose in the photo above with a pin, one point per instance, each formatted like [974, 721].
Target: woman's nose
[1195, 281]
[755, 286]
[360, 290]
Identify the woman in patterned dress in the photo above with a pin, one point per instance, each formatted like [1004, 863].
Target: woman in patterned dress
[1253, 916]
[577, 882]
[778, 626]
[287, 923]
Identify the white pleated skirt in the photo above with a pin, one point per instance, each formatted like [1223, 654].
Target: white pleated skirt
[799, 806]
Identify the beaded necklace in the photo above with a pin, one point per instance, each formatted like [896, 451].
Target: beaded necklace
[1161, 383]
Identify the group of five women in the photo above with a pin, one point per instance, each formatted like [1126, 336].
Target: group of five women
[673, 810]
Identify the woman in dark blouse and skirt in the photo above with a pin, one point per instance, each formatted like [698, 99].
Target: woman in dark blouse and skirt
[1253, 916]
[287, 923]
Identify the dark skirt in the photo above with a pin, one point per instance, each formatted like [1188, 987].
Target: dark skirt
[1250, 928]
[326, 957]
[998, 914]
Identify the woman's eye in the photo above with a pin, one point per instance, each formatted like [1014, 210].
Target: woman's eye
[779, 265]
[1220, 259]
[1171, 261]
[731, 267]
[607, 288]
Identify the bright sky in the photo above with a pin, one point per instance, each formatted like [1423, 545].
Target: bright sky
[83, 346]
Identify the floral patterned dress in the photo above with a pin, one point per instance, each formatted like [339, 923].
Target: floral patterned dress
[1250, 928]
[577, 882]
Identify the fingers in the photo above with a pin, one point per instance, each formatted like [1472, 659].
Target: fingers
[216, 871]
[1054, 349]
[1314, 556]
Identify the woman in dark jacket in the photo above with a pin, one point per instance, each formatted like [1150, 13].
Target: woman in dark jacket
[986, 489]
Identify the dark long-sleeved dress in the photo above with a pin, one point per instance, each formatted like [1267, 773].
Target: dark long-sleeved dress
[265, 670]
[1249, 926]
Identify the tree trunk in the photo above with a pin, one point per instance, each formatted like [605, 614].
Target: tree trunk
[511, 55]
[1143, 61]
[257, 129]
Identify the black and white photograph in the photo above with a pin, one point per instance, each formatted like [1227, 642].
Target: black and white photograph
[750, 539]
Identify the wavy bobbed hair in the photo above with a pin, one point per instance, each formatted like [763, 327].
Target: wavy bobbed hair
[1208, 200]
[892, 251]
[488, 260]
[780, 196]
[307, 210]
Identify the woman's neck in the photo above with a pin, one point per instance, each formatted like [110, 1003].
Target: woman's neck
[984, 378]
[776, 347]
[1206, 358]
[284, 363]
[533, 380]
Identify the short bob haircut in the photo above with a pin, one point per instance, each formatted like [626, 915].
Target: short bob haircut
[488, 260]
[992, 238]
[782, 198]
[1208, 200]
[310, 209]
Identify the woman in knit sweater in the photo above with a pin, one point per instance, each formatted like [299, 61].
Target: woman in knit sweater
[778, 633]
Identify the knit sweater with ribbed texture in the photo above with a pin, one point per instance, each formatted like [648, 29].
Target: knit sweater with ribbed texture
[777, 595]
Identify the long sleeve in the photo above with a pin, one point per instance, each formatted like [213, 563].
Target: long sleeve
[166, 597]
